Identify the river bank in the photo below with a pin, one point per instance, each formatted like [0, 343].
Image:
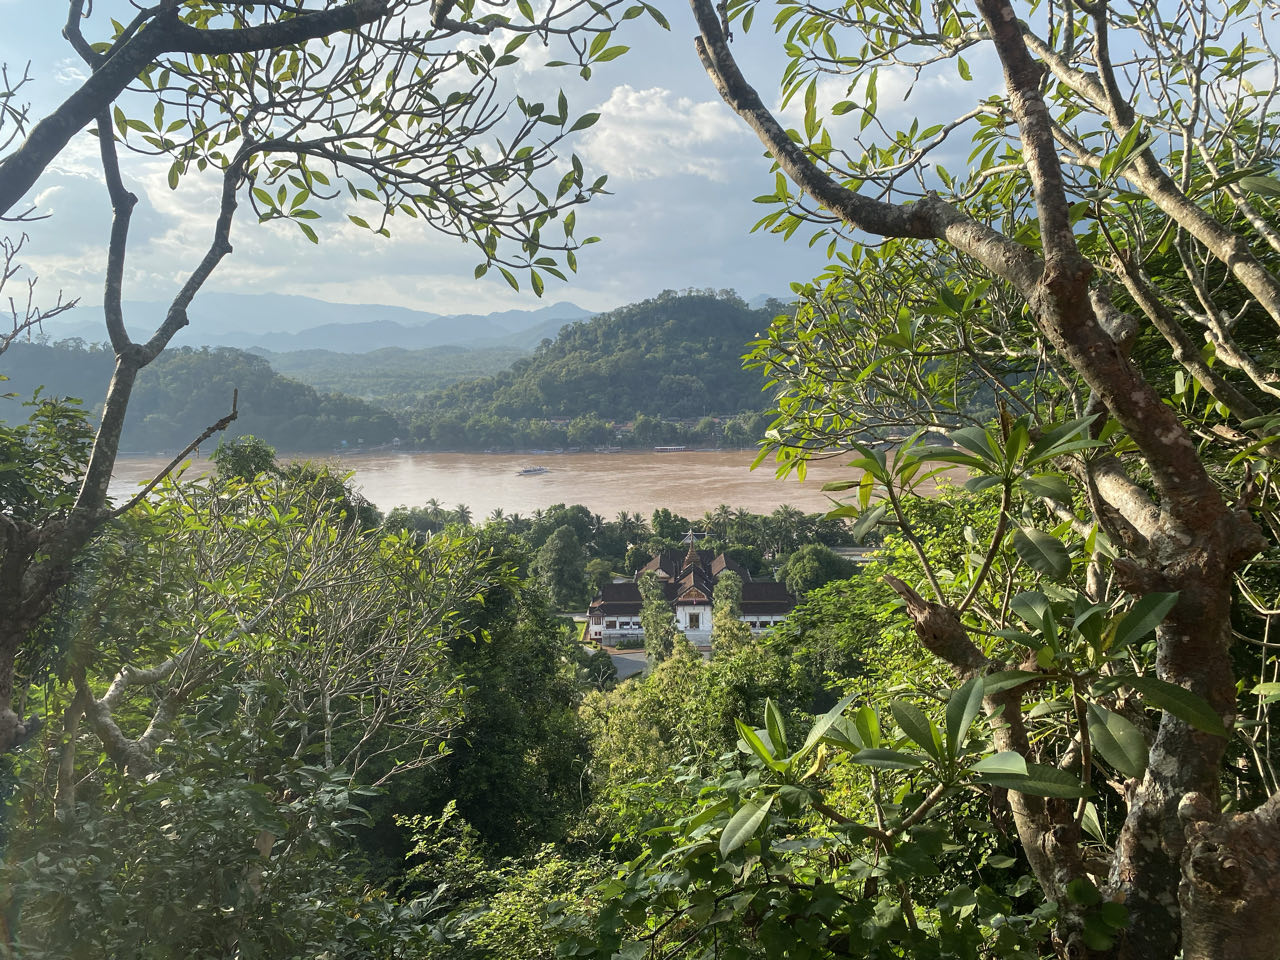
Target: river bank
[687, 482]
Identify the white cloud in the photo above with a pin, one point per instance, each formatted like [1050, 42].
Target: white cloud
[70, 72]
[652, 133]
[80, 157]
[683, 167]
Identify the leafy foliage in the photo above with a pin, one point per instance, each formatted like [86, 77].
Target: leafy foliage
[671, 358]
[41, 457]
[1041, 310]
[812, 566]
[559, 567]
[244, 458]
[185, 390]
[658, 621]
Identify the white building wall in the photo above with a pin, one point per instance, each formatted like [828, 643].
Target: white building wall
[612, 629]
[688, 616]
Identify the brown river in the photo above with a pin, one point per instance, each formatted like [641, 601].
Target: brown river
[689, 483]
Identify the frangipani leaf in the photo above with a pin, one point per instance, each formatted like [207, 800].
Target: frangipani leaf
[1179, 701]
[1143, 617]
[1007, 761]
[1042, 552]
[1006, 680]
[742, 826]
[1039, 781]
[1117, 740]
[962, 708]
[887, 759]
[824, 722]
[917, 727]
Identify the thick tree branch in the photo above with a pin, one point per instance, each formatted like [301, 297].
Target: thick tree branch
[130, 360]
[122, 204]
[164, 33]
[1230, 892]
[1056, 291]
[1177, 532]
[219, 247]
[1150, 177]
[1049, 835]
[928, 219]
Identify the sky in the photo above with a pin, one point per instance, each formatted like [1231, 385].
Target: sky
[682, 174]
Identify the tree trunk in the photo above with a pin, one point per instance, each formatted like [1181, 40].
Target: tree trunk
[1230, 892]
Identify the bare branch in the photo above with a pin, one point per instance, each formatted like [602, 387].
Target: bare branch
[173, 464]
[29, 316]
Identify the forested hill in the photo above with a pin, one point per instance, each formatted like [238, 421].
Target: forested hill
[187, 389]
[674, 356]
[393, 377]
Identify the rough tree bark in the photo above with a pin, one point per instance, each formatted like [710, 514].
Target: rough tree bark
[1203, 884]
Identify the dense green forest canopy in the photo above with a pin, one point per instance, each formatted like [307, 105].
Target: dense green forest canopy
[571, 551]
[394, 378]
[186, 389]
[664, 371]
[667, 370]
[675, 355]
[369, 738]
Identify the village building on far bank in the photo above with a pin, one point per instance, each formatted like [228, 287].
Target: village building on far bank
[688, 581]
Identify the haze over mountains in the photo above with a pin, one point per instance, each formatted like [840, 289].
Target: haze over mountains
[673, 358]
[271, 323]
[280, 323]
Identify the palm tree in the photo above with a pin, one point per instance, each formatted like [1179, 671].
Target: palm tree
[632, 526]
[745, 527]
[786, 525]
[434, 515]
[497, 516]
[709, 524]
[462, 513]
[717, 520]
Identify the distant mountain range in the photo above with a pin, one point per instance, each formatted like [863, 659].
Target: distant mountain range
[281, 323]
[673, 357]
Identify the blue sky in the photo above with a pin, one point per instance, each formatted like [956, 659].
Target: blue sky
[682, 169]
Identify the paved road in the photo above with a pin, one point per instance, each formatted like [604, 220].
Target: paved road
[628, 662]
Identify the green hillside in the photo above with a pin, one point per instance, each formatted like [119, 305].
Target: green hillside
[394, 378]
[186, 389]
[673, 356]
[670, 367]
[676, 357]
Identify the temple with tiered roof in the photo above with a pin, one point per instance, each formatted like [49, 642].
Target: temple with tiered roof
[688, 581]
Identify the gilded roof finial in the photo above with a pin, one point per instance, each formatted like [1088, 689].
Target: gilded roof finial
[692, 558]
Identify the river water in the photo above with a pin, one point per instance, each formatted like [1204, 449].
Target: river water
[689, 483]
